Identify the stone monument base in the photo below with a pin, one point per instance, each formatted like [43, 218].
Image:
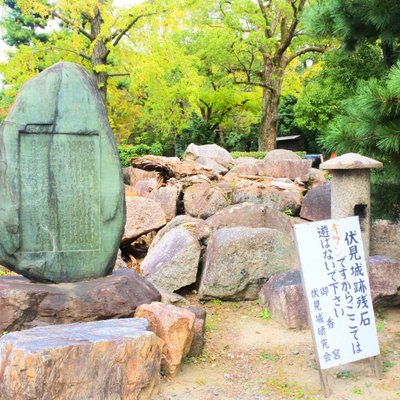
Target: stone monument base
[25, 304]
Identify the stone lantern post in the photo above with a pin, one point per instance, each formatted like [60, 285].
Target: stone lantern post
[350, 190]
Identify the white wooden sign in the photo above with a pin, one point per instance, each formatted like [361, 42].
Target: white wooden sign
[335, 280]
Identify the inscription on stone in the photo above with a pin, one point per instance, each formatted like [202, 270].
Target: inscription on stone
[61, 192]
[60, 199]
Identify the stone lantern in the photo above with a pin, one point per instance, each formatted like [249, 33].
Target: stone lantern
[350, 190]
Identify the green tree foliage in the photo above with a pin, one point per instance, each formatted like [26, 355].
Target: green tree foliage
[286, 123]
[171, 70]
[369, 121]
[354, 21]
[370, 125]
[22, 28]
[97, 25]
[222, 105]
[128, 151]
[94, 34]
[262, 38]
[339, 72]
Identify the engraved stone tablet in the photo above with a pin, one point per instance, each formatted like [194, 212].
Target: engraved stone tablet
[61, 192]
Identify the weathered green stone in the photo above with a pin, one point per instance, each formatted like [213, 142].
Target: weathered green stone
[61, 192]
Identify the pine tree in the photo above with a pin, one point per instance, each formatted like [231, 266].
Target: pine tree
[370, 120]
[22, 28]
[354, 21]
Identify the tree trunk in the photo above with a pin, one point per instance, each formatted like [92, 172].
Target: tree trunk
[273, 77]
[99, 54]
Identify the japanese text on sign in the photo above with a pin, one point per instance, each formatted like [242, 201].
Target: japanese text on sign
[336, 284]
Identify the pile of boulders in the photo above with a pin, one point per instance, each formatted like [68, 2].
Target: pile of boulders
[227, 231]
[227, 225]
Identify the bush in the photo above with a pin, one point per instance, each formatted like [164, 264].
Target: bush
[129, 151]
[256, 154]
[259, 154]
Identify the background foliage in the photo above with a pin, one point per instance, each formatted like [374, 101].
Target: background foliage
[217, 71]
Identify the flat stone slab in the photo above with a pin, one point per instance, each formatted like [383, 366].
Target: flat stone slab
[114, 359]
[60, 180]
[351, 161]
[24, 304]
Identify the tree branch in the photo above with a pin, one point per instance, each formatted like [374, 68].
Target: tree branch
[287, 39]
[259, 84]
[119, 34]
[275, 23]
[79, 53]
[202, 101]
[118, 74]
[263, 12]
[72, 24]
[304, 50]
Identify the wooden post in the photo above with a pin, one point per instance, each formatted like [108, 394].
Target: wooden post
[323, 376]
[377, 366]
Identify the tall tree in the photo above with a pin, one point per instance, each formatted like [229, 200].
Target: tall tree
[99, 23]
[220, 103]
[265, 37]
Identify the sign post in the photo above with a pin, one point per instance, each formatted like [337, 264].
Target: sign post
[336, 286]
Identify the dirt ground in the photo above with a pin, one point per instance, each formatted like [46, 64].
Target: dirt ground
[250, 357]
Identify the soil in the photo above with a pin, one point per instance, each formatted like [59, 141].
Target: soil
[250, 357]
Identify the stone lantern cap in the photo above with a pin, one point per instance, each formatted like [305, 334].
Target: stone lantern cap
[351, 161]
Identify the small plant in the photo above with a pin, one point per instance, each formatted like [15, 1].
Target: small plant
[288, 212]
[379, 326]
[229, 198]
[264, 314]
[4, 333]
[379, 314]
[357, 391]
[286, 390]
[204, 357]
[211, 323]
[345, 374]
[387, 365]
[265, 355]
[217, 302]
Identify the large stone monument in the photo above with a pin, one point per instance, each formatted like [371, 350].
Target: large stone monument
[61, 192]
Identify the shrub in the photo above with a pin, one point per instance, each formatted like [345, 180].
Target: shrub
[259, 154]
[256, 154]
[129, 151]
